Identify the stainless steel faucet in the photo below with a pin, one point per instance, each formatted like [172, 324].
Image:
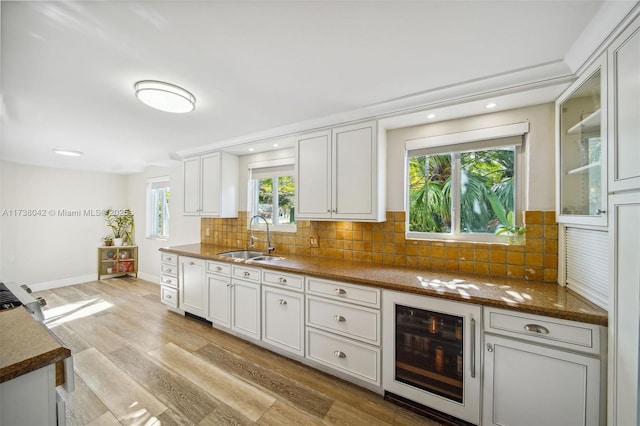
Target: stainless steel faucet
[252, 238]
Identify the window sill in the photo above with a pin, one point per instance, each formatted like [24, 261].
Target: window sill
[459, 238]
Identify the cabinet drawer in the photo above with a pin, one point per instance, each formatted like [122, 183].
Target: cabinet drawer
[246, 273]
[169, 258]
[218, 268]
[168, 269]
[169, 296]
[169, 281]
[279, 279]
[366, 296]
[353, 358]
[348, 320]
[551, 331]
[283, 319]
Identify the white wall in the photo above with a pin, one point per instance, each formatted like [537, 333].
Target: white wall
[182, 229]
[540, 185]
[58, 248]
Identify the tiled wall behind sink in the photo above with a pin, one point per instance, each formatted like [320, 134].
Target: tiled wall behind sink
[385, 243]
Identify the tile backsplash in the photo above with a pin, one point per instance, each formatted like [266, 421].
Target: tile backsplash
[385, 243]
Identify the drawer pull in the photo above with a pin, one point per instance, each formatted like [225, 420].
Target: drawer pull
[168, 296]
[191, 263]
[339, 354]
[535, 328]
[169, 270]
[282, 280]
[282, 302]
[339, 318]
[247, 274]
[218, 269]
[340, 291]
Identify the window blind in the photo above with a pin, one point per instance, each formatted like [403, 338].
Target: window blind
[473, 140]
[587, 260]
[267, 169]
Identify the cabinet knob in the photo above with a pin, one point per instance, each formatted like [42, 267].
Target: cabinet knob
[600, 211]
[489, 347]
[218, 269]
[191, 263]
[282, 302]
[247, 274]
[339, 354]
[282, 280]
[169, 270]
[340, 291]
[339, 318]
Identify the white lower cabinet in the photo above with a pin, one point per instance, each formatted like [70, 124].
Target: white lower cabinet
[541, 371]
[345, 355]
[245, 301]
[283, 319]
[219, 283]
[169, 280]
[193, 292]
[341, 333]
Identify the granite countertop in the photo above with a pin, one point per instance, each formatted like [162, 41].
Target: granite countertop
[26, 344]
[524, 296]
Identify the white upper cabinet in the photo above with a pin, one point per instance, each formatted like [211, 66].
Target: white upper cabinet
[582, 149]
[211, 185]
[341, 174]
[624, 107]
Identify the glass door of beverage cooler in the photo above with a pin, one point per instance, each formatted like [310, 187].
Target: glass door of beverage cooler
[432, 353]
[429, 351]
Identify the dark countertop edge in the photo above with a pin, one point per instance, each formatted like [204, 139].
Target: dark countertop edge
[601, 320]
[28, 365]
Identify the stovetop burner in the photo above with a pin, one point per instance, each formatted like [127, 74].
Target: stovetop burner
[7, 299]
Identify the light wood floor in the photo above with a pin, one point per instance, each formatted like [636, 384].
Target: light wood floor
[138, 364]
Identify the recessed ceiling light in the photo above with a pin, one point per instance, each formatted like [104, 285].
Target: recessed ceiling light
[431, 116]
[251, 149]
[67, 152]
[165, 96]
[276, 145]
[491, 105]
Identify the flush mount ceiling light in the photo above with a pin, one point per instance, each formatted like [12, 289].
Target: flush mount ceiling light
[67, 152]
[165, 96]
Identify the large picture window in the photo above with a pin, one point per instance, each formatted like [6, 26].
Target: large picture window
[462, 190]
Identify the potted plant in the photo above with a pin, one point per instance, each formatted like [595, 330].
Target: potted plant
[122, 224]
[108, 240]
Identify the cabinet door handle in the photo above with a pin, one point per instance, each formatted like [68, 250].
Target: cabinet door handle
[339, 354]
[473, 348]
[340, 291]
[282, 280]
[339, 318]
[535, 328]
[282, 302]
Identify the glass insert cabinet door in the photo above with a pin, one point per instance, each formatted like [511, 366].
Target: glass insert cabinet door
[435, 358]
[581, 115]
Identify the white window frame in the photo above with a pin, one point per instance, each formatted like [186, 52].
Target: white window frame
[156, 183]
[278, 166]
[481, 139]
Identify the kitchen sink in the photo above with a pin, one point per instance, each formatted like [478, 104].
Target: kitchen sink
[249, 255]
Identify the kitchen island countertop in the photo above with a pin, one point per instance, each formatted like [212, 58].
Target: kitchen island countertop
[26, 344]
[524, 296]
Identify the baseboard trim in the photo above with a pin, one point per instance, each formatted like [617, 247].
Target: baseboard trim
[47, 285]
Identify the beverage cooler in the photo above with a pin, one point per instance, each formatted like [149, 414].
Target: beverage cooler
[432, 354]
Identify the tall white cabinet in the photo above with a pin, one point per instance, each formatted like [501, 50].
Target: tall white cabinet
[623, 59]
[340, 174]
[211, 185]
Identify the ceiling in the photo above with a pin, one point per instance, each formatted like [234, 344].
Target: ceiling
[263, 69]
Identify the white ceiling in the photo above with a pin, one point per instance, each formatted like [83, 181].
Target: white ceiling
[261, 69]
